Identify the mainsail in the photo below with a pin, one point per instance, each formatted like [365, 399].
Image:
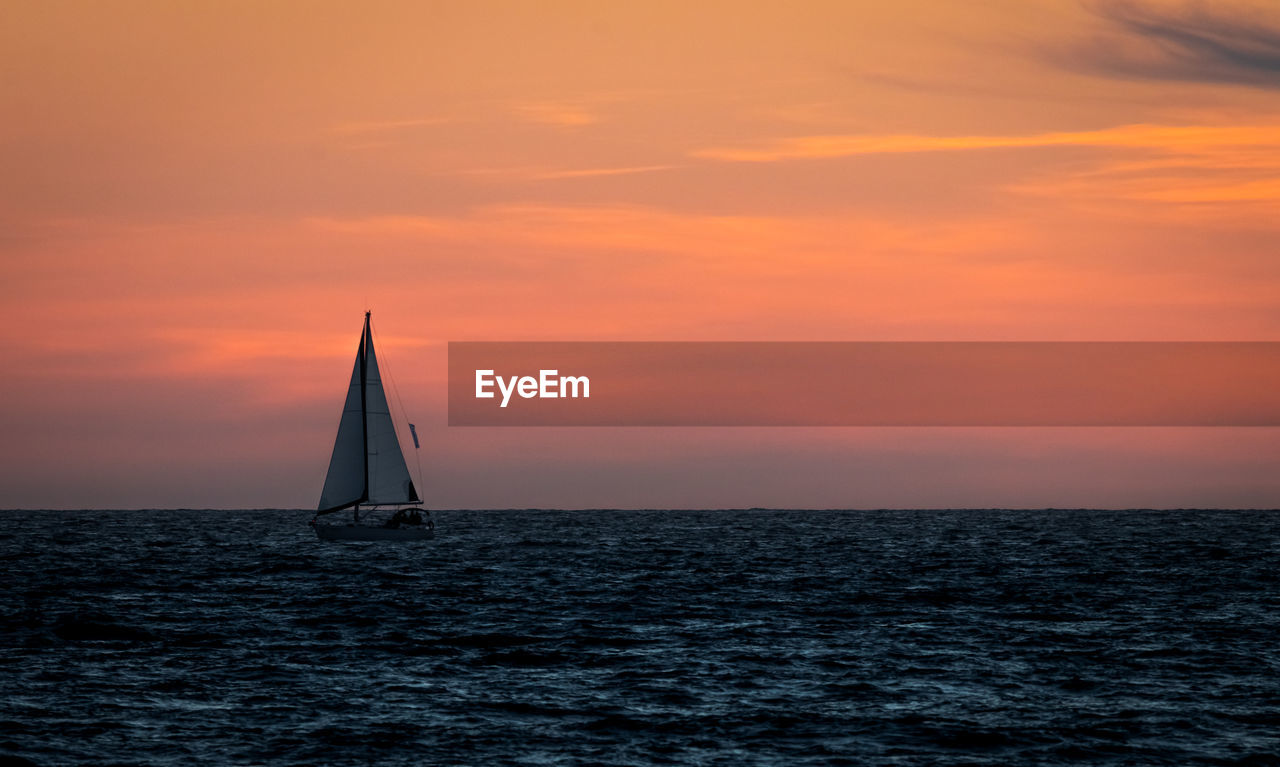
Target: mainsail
[367, 465]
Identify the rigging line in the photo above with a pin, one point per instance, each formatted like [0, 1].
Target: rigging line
[404, 415]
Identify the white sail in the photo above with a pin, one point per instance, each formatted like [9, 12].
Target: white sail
[367, 465]
[389, 480]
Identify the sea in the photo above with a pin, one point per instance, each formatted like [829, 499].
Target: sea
[754, 637]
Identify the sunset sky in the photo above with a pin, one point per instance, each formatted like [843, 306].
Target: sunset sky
[200, 200]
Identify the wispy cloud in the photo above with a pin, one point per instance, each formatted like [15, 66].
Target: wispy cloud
[557, 113]
[591, 172]
[1157, 137]
[1186, 41]
[1226, 183]
[1231, 166]
[549, 173]
[364, 127]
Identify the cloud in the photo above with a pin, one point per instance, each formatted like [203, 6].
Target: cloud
[1169, 138]
[592, 172]
[1231, 167]
[1190, 41]
[546, 173]
[555, 113]
[356, 128]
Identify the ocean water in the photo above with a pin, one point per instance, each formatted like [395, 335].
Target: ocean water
[643, 638]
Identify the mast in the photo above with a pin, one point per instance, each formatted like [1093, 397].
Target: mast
[366, 340]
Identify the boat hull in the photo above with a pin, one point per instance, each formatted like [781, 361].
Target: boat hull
[352, 532]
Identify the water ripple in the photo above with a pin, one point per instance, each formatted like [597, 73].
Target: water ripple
[644, 638]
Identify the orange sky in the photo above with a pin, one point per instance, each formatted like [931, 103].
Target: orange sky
[200, 200]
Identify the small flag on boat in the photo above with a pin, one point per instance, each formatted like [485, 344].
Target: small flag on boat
[414, 431]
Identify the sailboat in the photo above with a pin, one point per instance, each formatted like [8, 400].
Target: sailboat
[368, 468]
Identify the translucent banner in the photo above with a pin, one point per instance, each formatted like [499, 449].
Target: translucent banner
[864, 384]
